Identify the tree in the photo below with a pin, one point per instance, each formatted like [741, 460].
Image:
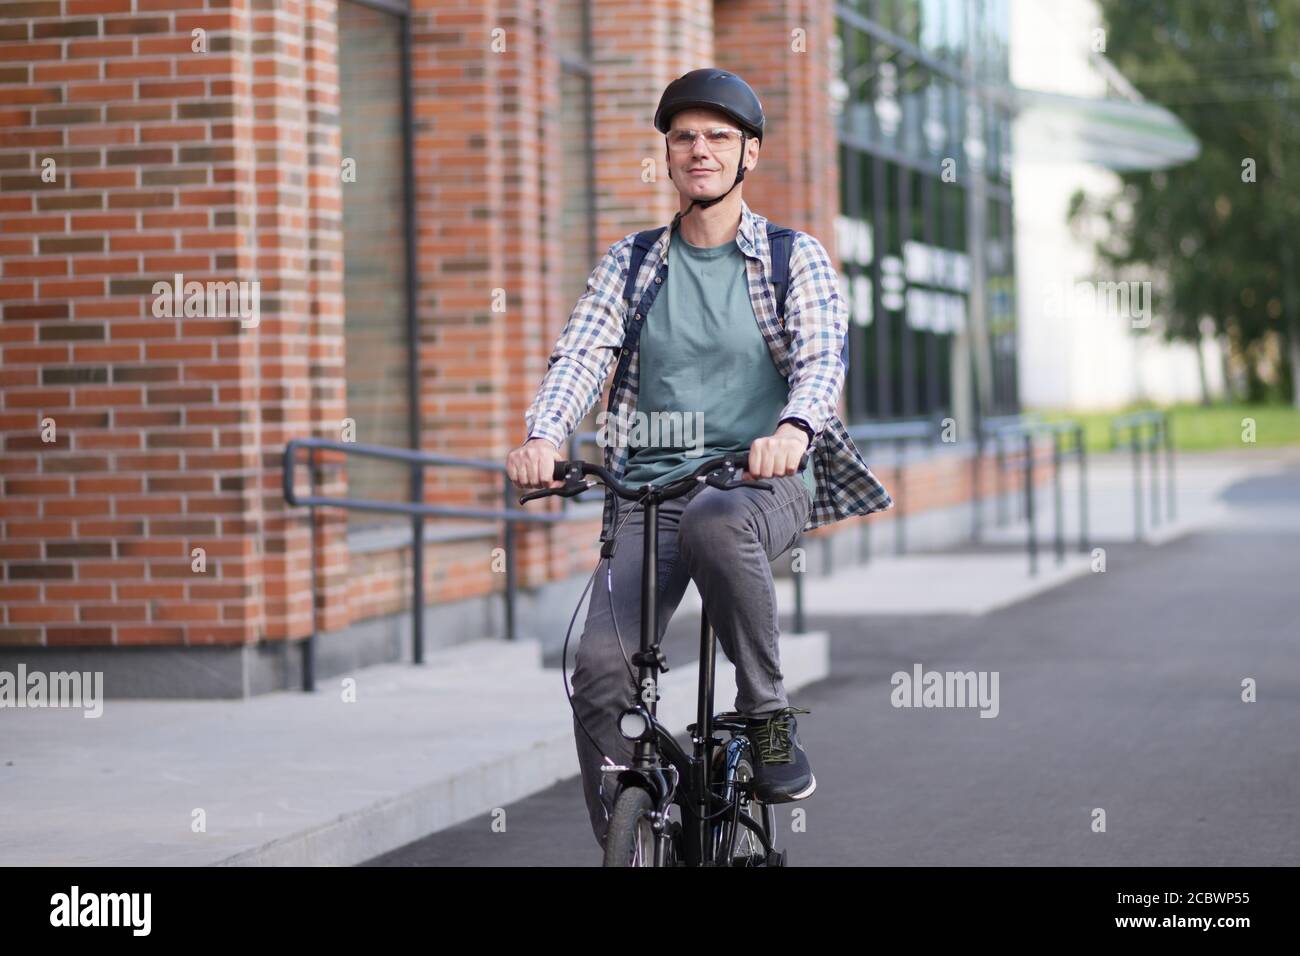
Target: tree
[1224, 229]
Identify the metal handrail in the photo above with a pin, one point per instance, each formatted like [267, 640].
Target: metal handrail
[1026, 429]
[418, 511]
[991, 426]
[1161, 434]
[925, 430]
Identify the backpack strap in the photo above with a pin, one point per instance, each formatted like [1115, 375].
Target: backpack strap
[632, 330]
[780, 240]
[640, 247]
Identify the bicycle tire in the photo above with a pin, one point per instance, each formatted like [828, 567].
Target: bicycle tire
[629, 840]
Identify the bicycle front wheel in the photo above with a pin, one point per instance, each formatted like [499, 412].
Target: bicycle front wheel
[630, 839]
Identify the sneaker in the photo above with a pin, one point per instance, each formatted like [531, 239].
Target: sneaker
[781, 769]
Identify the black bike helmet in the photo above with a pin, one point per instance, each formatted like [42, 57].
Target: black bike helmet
[711, 88]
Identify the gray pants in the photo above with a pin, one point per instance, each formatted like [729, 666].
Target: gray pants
[722, 540]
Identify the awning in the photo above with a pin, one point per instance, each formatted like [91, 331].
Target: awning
[1115, 133]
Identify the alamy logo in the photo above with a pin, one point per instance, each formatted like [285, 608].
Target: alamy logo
[1100, 300]
[209, 300]
[651, 430]
[946, 689]
[57, 689]
[102, 909]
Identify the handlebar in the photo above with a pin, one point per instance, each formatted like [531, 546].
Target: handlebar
[572, 474]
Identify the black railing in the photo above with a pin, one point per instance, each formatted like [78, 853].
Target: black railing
[988, 429]
[1067, 437]
[898, 434]
[416, 509]
[1140, 440]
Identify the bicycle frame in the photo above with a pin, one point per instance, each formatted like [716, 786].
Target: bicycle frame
[700, 841]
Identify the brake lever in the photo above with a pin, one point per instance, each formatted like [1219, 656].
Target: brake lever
[717, 482]
[569, 490]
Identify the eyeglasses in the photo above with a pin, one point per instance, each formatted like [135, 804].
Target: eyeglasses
[719, 139]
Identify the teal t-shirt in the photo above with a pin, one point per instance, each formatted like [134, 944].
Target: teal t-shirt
[708, 385]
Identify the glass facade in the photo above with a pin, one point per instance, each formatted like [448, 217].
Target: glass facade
[925, 205]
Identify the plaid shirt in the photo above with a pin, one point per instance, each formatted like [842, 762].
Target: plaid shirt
[806, 352]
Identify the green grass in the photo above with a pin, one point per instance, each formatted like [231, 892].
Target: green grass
[1196, 427]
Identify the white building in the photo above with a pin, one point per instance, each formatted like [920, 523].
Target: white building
[1078, 120]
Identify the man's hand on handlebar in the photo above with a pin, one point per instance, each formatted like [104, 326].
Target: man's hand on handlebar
[778, 454]
[532, 464]
[723, 471]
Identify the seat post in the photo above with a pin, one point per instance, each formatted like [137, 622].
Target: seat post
[708, 647]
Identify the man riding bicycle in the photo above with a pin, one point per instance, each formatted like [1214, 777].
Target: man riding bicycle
[712, 346]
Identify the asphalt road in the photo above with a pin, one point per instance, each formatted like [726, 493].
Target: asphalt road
[1119, 691]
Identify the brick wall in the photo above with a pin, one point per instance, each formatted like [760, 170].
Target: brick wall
[217, 164]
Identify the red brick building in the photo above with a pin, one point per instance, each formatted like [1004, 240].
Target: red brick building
[444, 175]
